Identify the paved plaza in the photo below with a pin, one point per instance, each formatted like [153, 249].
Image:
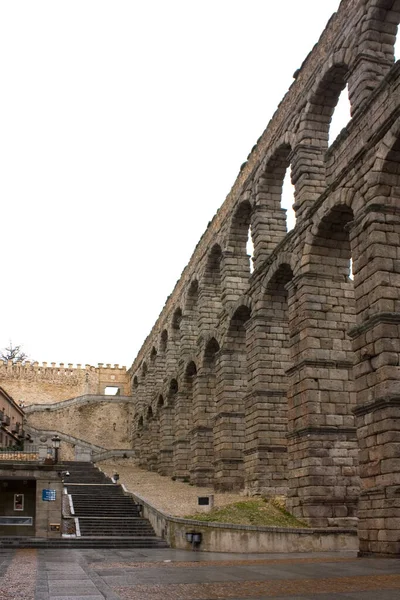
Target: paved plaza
[166, 574]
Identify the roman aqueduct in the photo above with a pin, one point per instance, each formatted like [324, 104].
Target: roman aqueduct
[284, 379]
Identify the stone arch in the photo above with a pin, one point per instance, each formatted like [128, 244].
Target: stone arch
[268, 218]
[210, 294]
[308, 167]
[144, 369]
[242, 302]
[190, 323]
[331, 243]
[239, 226]
[191, 369]
[323, 100]
[275, 166]
[183, 422]
[236, 264]
[153, 439]
[203, 387]
[153, 354]
[163, 341]
[230, 408]
[321, 392]
[160, 402]
[342, 196]
[211, 348]
[177, 319]
[192, 295]
[173, 388]
[285, 261]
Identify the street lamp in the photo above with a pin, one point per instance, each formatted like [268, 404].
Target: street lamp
[56, 445]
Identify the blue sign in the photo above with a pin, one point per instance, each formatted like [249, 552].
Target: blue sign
[49, 495]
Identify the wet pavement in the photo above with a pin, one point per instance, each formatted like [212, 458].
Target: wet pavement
[30, 574]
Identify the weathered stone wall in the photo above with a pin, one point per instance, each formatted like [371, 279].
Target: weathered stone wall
[34, 383]
[100, 421]
[251, 380]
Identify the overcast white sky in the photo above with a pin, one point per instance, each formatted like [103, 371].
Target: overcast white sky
[123, 126]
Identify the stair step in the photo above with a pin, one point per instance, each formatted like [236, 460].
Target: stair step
[107, 517]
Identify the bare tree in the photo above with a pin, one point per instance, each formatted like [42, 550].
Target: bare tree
[13, 353]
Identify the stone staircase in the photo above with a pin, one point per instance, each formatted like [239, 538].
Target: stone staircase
[104, 512]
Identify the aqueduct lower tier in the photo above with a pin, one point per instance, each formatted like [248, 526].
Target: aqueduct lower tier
[286, 380]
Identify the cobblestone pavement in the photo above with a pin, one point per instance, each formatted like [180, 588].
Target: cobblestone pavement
[173, 497]
[179, 575]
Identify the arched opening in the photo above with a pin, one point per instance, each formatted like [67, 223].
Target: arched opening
[321, 408]
[183, 421]
[231, 390]
[341, 115]
[189, 325]
[266, 469]
[212, 275]
[164, 341]
[210, 304]
[192, 295]
[144, 370]
[250, 249]
[173, 388]
[278, 193]
[288, 199]
[323, 125]
[210, 352]
[190, 372]
[151, 442]
[331, 246]
[177, 319]
[160, 402]
[153, 354]
[241, 244]
[202, 413]
[165, 411]
[135, 382]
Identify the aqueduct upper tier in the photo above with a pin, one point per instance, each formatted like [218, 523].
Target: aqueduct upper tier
[286, 380]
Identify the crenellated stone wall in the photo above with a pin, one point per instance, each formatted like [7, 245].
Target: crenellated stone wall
[33, 383]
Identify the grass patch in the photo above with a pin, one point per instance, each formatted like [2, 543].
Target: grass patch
[257, 511]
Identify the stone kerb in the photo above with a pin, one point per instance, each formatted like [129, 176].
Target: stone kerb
[225, 537]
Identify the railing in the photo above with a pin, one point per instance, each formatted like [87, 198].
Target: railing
[28, 454]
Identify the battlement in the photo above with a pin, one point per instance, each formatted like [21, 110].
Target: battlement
[27, 364]
[43, 383]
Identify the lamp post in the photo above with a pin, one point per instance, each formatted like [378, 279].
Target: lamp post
[56, 445]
